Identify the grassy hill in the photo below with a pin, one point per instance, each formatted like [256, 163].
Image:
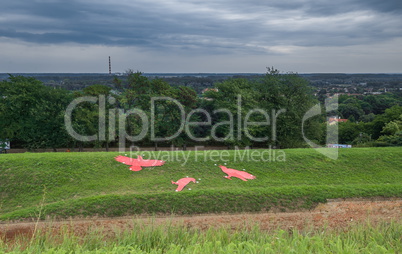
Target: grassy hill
[88, 184]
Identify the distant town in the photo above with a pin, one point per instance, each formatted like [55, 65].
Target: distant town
[325, 84]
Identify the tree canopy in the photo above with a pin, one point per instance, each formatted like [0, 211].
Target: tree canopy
[267, 111]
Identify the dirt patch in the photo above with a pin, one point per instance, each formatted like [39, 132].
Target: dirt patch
[334, 214]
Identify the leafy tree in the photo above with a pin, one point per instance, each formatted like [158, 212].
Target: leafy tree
[366, 107]
[393, 127]
[292, 93]
[363, 139]
[31, 114]
[367, 118]
[390, 140]
[170, 118]
[349, 108]
[137, 93]
[348, 132]
[379, 103]
[86, 115]
[392, 133]
[230, 101]
[285, 98]
[379, 122]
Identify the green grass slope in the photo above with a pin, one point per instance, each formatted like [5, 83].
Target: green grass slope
[88, 184]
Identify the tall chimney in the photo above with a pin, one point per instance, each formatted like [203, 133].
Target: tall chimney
[110, 66]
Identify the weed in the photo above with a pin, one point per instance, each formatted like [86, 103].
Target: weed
[148, 237]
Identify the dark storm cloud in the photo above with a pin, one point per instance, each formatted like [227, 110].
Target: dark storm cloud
[324, 7]
[70, 21]
[319, 7]
[219, 26]
[382, 6]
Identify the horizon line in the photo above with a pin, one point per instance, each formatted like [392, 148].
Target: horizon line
[194, 73]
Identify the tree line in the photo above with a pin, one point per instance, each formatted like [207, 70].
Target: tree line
[266, 111]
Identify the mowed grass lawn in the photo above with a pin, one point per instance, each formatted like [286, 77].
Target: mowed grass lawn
[88, 184]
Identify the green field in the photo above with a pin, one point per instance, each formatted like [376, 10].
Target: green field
[61, 185]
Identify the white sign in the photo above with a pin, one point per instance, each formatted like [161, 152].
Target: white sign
[4, 144]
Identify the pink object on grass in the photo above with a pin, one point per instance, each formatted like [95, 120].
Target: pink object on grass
[183, 182]
[236, 173]
[137, 164]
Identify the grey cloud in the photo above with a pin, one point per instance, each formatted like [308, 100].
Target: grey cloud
[322, 7]
[143, 25]
[393, 6]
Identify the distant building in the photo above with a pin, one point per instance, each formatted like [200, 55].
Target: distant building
[335, 120]
[339, 146]
[374, 93]
[206, 90]
[209, 89]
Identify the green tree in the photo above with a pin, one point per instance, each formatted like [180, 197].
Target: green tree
[86, 116]
[291, 93]
[138, 92]
[349, 108]
[170, 114]
[379, 122]
[363, 139]
[393, 127]
[392, 133]
[285, 98]
[348, 132]
[31, 114]
[228, 102]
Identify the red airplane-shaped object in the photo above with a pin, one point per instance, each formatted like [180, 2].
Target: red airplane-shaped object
[236, 173]
[183, 182]
[137, 164]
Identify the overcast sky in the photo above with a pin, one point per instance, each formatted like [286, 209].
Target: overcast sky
[351, 36]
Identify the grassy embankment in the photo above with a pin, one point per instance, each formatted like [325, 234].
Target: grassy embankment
[88, 184]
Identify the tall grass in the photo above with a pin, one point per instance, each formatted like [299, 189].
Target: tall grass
[168, 238]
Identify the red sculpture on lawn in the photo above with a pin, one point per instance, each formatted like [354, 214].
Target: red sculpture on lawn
[236, 173]
[183, 182]
[137, 164]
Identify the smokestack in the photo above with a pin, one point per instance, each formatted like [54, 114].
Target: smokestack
[110, 66]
